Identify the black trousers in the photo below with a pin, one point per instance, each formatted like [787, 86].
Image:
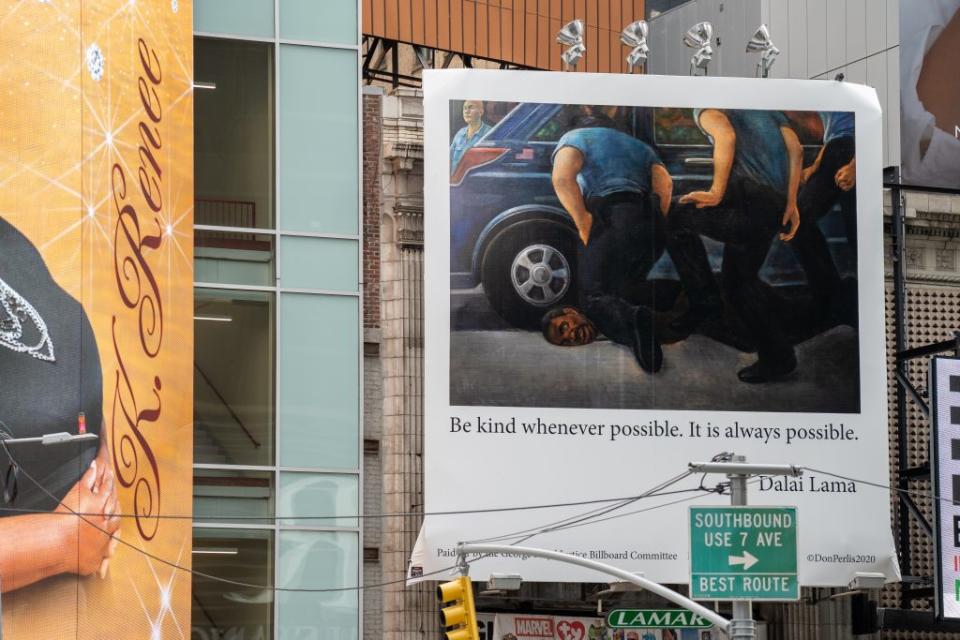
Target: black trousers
[746, 221]
[626, 239]
[815, 200]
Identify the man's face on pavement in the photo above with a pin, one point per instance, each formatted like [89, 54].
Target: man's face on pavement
[570, 329]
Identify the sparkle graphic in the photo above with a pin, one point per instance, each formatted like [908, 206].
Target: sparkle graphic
[95, 62]
[166, 611]
[72, 205]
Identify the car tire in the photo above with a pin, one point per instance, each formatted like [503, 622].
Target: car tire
[528, 269]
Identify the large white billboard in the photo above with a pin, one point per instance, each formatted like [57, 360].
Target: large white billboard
[625, 274]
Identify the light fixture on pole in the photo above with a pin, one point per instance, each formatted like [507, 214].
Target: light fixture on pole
[635, 35]
[698, 37]
[571, 36]
[768, 53]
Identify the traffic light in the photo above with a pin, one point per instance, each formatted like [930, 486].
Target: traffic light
[459, 617]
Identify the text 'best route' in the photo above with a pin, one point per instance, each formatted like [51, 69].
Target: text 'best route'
[743, 553]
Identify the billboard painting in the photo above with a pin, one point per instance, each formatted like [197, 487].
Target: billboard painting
[677, 268]
[929, 95]
[640, 270]
[96, 201]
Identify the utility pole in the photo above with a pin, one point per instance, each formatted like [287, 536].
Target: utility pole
[737, 470]
[742, 626]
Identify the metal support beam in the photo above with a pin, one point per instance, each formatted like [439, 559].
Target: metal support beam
[902, 373]
[907, 501]
[374, 43]
[929, 349]
[905, 385]
[920, 472]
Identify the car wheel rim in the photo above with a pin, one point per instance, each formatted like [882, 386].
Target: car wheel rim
[540, 275]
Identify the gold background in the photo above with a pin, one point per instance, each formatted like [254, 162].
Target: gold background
[61, 131]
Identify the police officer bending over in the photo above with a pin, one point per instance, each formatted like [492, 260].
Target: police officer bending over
[757, 160]
[604, 178]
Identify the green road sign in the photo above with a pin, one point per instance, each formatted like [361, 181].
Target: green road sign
[656, 619]
[743, 553]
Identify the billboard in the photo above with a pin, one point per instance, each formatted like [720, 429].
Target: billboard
[96, 201]
[945, 469]
[929, 96]
[627, 274]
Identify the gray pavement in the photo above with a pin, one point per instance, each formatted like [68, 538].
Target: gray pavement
[508, 367]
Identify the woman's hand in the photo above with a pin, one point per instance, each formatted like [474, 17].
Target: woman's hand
[90, 534]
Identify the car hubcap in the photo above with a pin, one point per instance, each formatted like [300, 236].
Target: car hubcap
[540, 275]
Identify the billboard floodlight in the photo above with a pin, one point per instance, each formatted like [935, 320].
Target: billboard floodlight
[571, 36]
[702, 58]
[635, 35]
[768, 52]
[698, 37]
[571, 33]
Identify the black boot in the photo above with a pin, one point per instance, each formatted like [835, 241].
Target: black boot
[767, 369]
[646, 349]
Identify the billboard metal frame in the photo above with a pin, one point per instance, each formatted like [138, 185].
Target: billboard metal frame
[914, 587]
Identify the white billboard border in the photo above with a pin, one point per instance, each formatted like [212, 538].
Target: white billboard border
[441, 86]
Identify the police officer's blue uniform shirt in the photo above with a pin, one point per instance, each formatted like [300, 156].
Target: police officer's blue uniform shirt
[836, 124]
[613, 161]
[761, 154]
[461, 143]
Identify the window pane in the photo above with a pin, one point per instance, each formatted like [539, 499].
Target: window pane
[234, 17]
[234, 497]
[328, 21]
[233, 382]
[676, 126]
[319, 406]
[223, 610]
[318, 140]
[233, 257]
[233, 133]
[313, 494]
[319, 263]
[314, 560]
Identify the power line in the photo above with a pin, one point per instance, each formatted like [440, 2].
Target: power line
[364, 516]
[595, 513]
[237, 583]
[870, 483]
[646, 509]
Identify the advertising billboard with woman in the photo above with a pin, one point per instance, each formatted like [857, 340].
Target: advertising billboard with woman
[96, 198]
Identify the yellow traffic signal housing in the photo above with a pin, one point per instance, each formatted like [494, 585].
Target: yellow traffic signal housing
[459, 617]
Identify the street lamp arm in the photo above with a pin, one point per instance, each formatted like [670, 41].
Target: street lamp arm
[649, 585]
[747, 469]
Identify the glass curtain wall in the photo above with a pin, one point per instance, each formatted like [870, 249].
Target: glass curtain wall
[277, 379]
